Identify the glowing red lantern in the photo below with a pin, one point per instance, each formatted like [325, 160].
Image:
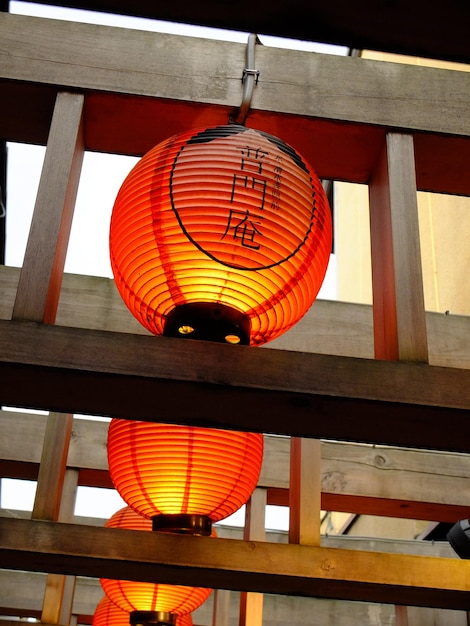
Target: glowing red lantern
[109, 614]
[221, 233]
[183, 477]
[149, 602]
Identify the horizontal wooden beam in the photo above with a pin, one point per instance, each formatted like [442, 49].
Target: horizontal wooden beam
[414, 484]
[232, 564]
[329, 327]
[128, 89]
[275, 391]
[429, 32]
[21, 593]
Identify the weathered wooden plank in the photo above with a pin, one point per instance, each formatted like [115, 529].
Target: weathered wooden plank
[108, 59]
[41, 275]
[378, 480]
[397, 280]
[319, 21]
[323, 396]
[55, 500]
[127, 89]
[340, 328]
[52, 467]
[305, 491]
[329, 327]
[264, 567]
[20, 594]
[251, 602]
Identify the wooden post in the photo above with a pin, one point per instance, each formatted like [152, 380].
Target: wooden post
[55, 500]
[397, 283]
[305, 491]
[41, 276]
[251, 603]
[221, 609]
[52, 468]
[401, 615]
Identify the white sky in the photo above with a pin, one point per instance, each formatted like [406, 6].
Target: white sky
[88, 248]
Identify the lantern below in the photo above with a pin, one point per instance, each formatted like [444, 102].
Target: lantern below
[149, 603]
[109, 614]
[221, 233]
[184, 478]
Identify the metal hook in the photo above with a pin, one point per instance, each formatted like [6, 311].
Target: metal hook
[249, 79]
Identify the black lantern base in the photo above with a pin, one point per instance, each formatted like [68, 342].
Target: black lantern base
[183, 524]
[152, 618]
[459, 538]
[209, 321]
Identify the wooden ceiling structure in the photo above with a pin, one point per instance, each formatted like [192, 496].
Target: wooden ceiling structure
[390, 375]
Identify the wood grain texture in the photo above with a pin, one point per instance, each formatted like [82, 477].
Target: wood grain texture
[305, 491]
[21, 592]
[332, 109]
[232, 564]
[397, 281]
[104, 58]
[319, 21]
[117, 374]
[252, 603]
[41, 275]
[329, 327]
[414, 484]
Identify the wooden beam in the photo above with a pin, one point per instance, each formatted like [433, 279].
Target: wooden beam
[355, 478]
[49, 504]
[221, 612]
[20, 594]
[72, 370]
[128, 89]
[231, 564]
[329, 327]
[41, 275]
[251, 603]
[397, 281]
[52, 468]
[363, 26]
[305, 491]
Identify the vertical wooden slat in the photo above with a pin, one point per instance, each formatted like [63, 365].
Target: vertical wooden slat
[55, 500]
[221, 610]
[251, 603]
[397, 283]
[58, 600]
[305, 491]
[397, 280]
[41, 275]
[60, 590]
[401, 615]
[52, 467]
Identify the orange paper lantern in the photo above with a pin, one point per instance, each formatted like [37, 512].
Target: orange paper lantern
[149, 600]
[221, 233]
[179, 474]
[109, 614]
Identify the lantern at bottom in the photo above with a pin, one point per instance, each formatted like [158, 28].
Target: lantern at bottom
[222, 234]
[149, 602]
[109, 614]
[183, 477]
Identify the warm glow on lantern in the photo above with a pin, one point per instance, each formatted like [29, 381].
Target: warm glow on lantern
[143, 597]
[169, 472]
[221, 233]
[109, 614]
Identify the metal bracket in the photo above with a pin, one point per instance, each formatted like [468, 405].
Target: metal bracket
[250, 78]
